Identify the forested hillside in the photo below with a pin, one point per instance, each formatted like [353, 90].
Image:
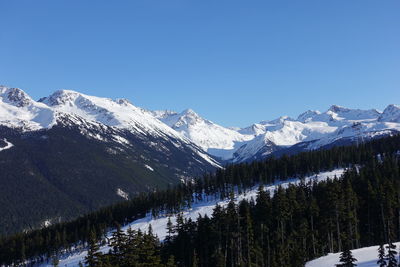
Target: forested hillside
[285, 229]
[59, 174]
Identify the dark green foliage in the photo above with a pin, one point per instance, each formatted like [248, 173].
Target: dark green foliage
[381, 256]
[347, 259]
[93, 258]
[391, 255]
[294, 225]
[133, 249]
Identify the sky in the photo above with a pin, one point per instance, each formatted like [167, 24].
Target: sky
[233, 62]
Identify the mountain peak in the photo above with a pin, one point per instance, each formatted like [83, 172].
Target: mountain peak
[390, 114]
[279, 120]
[309, 114]
[189, 111]
[189, 116]
[337, 108]
[60, 97]
[15, 96]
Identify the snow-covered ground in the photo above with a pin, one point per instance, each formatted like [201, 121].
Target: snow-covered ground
[7, 146]
[366, 257]
[204, 208]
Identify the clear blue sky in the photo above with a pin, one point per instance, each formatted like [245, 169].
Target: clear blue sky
[234, 62]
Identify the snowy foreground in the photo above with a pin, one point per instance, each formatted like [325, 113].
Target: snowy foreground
[366, 257]
[203, 208]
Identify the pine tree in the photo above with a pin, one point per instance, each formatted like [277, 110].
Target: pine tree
[347, 259]
[170, 230]
[381, 256]
[118, 245]
[391, 255]
[149, 250]
[131, 248]
[93, 257]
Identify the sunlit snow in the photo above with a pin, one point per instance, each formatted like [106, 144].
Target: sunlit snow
[366, 257]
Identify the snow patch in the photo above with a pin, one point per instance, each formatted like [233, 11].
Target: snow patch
[7, 146]
[122, 194]
[46, 223]
[148, 167]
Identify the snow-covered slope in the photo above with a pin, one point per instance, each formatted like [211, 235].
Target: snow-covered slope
[310, 130]
[366, 257]
[215, 139]
[118, 113]
[206, 207]
[315, 129]
[390, 114]
[18, 110]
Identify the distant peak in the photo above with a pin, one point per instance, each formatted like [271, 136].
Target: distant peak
[392, 106]
[309, 114]
[60, 97]
[281, 119]
[337, 108]
[391, 114]
[15, 96]
[189, 111]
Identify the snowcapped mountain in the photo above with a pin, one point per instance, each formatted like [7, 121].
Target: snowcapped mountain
[215, 139]
[390, 114]
[18, 110]
[311, 130]
[315, 129]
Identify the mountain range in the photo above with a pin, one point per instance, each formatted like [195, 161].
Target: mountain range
[69, 153]
[310, 130]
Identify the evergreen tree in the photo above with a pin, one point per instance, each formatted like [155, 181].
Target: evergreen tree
[391, 255]
[170, 230]
[131, 248]
[118, 246]
[347, 259]
[93, 258]
[381, 256]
